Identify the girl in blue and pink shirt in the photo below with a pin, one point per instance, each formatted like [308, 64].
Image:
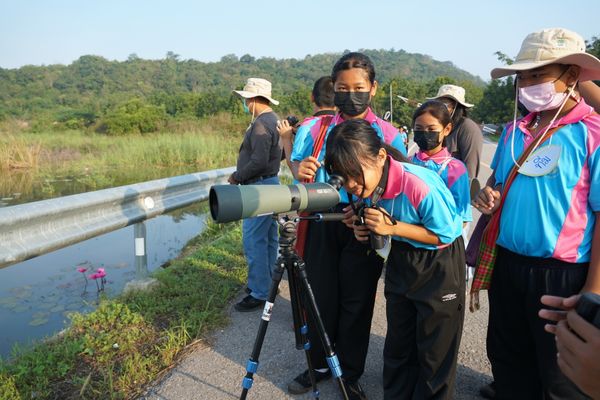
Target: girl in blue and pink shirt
[431, 124]
[548, 237]
[424, 280]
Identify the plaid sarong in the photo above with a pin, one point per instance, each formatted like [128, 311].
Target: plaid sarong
[488, 249]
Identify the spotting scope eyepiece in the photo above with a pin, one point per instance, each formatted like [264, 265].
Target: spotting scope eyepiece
[234, 202]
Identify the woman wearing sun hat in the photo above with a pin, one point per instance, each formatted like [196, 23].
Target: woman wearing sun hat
[542, 237]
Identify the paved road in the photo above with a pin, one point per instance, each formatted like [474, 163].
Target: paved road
[215, 369]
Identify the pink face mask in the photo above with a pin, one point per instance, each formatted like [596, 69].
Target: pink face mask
[541, 97]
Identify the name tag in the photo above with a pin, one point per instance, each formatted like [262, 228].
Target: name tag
[542, 161]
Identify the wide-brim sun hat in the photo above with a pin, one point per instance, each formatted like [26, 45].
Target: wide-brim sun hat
[256, 87]
[453, 92]
[552, 46]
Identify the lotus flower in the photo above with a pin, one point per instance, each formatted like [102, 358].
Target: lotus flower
[99, 274]
[82, 270]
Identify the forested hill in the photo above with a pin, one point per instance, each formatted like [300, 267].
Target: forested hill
[93, 87]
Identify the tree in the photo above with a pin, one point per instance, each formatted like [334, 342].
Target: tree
[498, 102]
[93, 87]
[247, 59]
[433, 87]
[504, 58]
[415, 91]
[134, 116]
[229, 58]
[90, 70]
[593, 46]
[172, 56]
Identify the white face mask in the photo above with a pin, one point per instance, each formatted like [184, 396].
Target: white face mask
[541, 97]
[560, 107]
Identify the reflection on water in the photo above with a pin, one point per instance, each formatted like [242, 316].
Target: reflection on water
[36, 295]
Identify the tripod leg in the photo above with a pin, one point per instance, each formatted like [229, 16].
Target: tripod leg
[297, 310]
[332, 359]
[252, 364]
[301, 326]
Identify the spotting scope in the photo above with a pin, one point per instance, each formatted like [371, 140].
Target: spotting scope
[234, 202]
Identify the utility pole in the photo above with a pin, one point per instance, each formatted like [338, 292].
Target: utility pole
[391, 109]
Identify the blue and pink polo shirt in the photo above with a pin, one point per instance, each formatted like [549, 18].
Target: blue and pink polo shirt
[309, 131]
[454, 174]
[418, 196]
[553, 215]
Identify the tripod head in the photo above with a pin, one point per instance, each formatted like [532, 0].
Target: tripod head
[287, 233]
[288, 228]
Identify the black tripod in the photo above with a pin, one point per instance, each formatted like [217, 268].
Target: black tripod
[299, 293]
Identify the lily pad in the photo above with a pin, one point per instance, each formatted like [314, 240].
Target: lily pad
[38, 321]
[64, 285]
[46, 305]
[22, 292]
[57, 277]
[74, 306]
[57, 308]
[40, 314]
[9, 302]
[21, 308]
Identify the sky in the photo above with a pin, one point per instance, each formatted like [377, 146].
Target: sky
[464, 32]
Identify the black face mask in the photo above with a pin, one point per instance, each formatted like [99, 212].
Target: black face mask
[427, 140]
[352, 103]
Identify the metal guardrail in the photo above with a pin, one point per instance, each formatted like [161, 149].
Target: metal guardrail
[32, 229]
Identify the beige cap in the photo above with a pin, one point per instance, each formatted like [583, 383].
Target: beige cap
[255, 87]
[552, 46]
[454, 92]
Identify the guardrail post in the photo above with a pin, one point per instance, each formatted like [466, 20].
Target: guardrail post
[141, 258]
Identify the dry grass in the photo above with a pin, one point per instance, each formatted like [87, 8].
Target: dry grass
[18, 154]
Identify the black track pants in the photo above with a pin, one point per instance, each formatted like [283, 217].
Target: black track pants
[425, 297]
[522, 353]
[343, 274]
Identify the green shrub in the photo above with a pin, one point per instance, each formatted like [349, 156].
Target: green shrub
[134, 116]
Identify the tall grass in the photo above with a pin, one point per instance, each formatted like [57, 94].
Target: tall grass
[18, 153]
[204, 143]
[98, 161]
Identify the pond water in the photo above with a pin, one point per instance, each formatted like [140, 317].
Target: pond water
[37, 295]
